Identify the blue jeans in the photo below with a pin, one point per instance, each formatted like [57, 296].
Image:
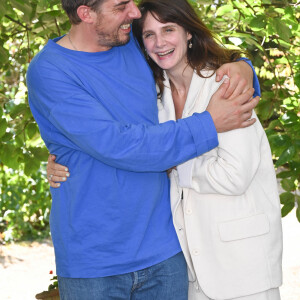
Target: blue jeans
[167, 280]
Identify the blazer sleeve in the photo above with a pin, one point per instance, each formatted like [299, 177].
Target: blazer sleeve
[228, 169]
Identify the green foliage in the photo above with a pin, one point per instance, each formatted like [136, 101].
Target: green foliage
[24, 210]
[25, 201]
[267, 29]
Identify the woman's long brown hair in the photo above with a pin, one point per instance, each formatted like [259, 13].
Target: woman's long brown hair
[205, 53]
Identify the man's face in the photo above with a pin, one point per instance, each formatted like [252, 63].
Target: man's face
[113, 22]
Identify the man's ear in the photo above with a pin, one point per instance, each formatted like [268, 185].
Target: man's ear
[85, 14]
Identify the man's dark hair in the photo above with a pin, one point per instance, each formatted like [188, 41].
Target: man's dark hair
[70, 7]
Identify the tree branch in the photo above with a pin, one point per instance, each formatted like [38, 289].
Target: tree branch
[17, 22]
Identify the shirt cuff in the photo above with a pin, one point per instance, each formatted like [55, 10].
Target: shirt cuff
[203, 131]
[256, 85]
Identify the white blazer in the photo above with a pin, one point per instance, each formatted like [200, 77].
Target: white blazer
[225, 205]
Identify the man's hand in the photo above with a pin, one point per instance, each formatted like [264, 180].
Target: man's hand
[233, 113]
[241, 77]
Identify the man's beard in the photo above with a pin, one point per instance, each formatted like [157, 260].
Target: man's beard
[110, 40]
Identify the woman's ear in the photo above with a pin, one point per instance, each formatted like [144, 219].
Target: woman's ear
[85, 14]
[189, 36]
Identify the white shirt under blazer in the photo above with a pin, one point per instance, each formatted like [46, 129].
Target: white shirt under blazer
[225, 205]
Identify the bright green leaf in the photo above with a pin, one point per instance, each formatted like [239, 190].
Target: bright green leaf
[224, 9]
[287, 208]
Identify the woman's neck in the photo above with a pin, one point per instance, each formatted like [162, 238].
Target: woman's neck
[180, 81]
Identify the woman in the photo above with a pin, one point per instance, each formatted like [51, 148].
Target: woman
[225, 204]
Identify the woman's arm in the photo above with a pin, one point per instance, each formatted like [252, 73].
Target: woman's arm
[227, 170]
[56, 173]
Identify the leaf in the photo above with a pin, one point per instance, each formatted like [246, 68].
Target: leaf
[287, 208]
[258, 23]
[40, 154]
[31, 130]
[3, 126]
[224, 9]
[23, 7]
[31, 166]
[4, 55]
[298, 213]
[289, 118]
[18, 109]
[279, 140]
[286, 156]
[297, 80]
[8, 136]
[288, 184]
[286, 174]
[281, 29]
[8, 157]
[287, 197]
[273, 124]
[2, 8]
[265, 109]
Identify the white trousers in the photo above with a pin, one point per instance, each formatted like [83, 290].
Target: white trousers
[272, 294]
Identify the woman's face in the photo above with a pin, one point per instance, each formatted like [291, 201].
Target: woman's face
[166, 43]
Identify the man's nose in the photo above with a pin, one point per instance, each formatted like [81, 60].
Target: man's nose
[134, 12]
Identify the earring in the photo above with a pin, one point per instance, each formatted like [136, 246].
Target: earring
[190, 44]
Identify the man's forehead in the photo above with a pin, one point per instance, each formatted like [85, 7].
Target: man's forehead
[115, 3]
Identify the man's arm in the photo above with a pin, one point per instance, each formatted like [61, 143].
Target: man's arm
[76, 120]
[70, 117]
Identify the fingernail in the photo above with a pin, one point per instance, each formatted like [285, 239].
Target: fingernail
[67, 174]
[64, 178]
[66, 169]
[226, 80]
[58, 185]
[217, 78]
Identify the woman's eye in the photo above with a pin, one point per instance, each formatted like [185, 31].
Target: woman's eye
[147, 35]
[169, 29]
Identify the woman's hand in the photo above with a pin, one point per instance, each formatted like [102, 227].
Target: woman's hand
[241, 78]
[56, 173]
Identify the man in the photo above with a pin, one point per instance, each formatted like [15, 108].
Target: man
[94, 99]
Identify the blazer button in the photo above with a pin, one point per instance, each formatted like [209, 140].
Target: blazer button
[196, 252]
[188, 211]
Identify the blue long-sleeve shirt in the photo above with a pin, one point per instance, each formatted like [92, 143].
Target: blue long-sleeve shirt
[97, 112]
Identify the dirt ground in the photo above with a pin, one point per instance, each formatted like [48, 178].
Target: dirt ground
[24, 267]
